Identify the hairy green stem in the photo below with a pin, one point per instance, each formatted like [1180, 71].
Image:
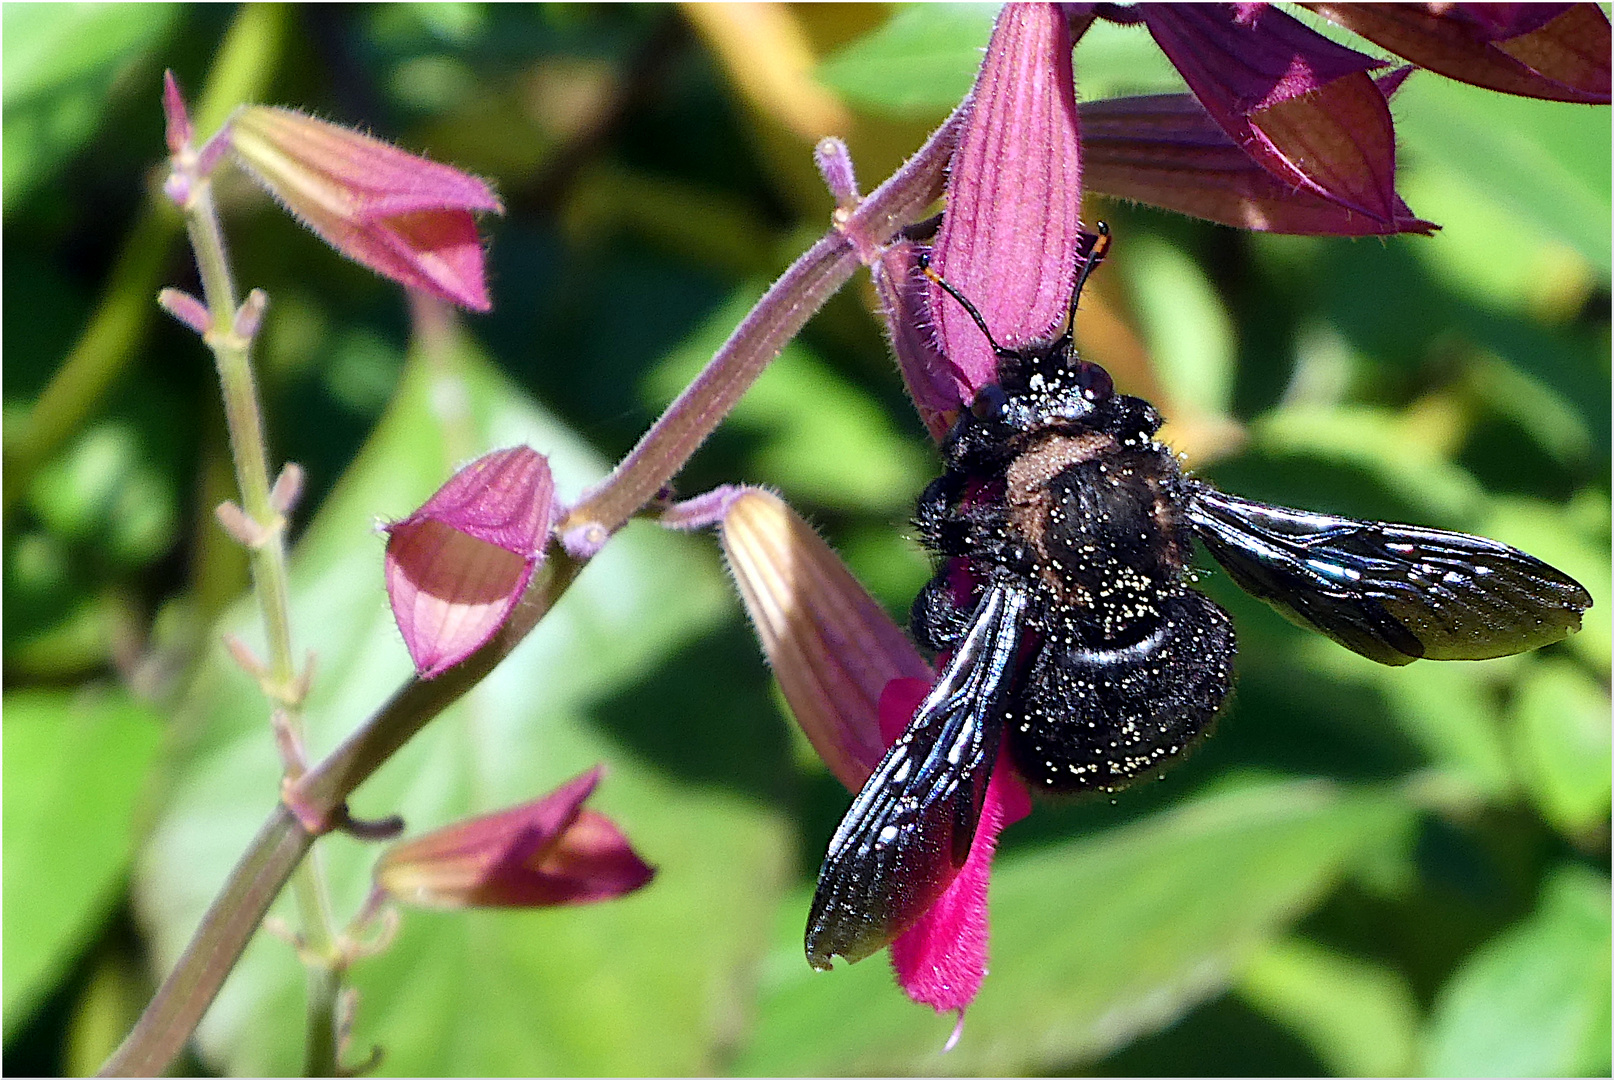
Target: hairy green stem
[232, 352]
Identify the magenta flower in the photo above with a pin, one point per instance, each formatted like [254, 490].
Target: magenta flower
[456, 567]
[404, 217]
[542, 853]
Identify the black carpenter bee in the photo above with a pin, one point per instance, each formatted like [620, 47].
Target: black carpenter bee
[1061, 531]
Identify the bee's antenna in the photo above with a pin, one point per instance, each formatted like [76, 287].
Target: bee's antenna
[1095, 255]
[926, 269]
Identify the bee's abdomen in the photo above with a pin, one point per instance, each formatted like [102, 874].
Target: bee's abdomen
[1099, 717]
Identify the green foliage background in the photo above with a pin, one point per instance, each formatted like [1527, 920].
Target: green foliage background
[1365, 870]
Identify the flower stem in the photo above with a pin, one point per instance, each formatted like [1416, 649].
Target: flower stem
[243, 415]
[781, 313]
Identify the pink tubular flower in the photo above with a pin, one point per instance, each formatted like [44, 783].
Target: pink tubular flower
[402, 216]
[542, 853]
[456, 567]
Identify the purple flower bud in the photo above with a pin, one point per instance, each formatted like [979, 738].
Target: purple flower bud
[1302, 107]
[853, 681]
[456, 567]
[177, 126]
[186, 308]
[402, 216]
[1165, 150]
[542, 853]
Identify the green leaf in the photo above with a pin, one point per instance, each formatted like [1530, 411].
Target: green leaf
[1095, 941]
[1533, 1001]
[1544, 160]
[75, 765]
[646, 984]
[1560, 721]
[1184, 321]
[1359, 1017]
[920, 64]
[60, 63]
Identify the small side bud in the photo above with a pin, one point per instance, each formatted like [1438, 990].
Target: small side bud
[240, 525]
[178, 130]
[186, 308]
[288, 488]
[834, 163]
[249, 316]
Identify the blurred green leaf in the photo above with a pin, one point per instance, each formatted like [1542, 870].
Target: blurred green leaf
[104, 487]
[1184, 321]
[1575, 539]
[1561, 730]
[645, 984]
[1094, 941]
[1379, 442]
[1534, 1001]
[60, 62]
[1542, 159]
[1114, 61]
[75, 764]
[1359, 1017]
[1448, 710]
[919, 64]
[823, 437]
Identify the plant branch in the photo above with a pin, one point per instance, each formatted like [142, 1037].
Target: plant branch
[189, 989]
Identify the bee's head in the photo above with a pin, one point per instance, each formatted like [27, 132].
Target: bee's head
[1044, 381]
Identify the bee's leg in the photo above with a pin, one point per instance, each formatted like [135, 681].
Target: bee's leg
[940, 613]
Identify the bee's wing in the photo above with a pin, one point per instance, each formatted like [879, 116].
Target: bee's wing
[1393, 593]
[910, 828]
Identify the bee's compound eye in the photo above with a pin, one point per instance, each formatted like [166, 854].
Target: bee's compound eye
[990, 401]
[1093, 381]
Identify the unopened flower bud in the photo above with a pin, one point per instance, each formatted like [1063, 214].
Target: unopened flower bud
[402, 216]
[832, 646]
[542, 853]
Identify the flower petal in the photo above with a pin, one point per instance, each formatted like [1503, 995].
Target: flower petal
[1302, 107]
[456, 567]
[1010, 235]
[403, 216]
[941, 960]
[1166, 151]
[832, 646]
[933, 381]
[1555, 51]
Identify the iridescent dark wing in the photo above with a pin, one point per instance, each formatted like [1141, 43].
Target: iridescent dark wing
[1394, 593]
[910, 828]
